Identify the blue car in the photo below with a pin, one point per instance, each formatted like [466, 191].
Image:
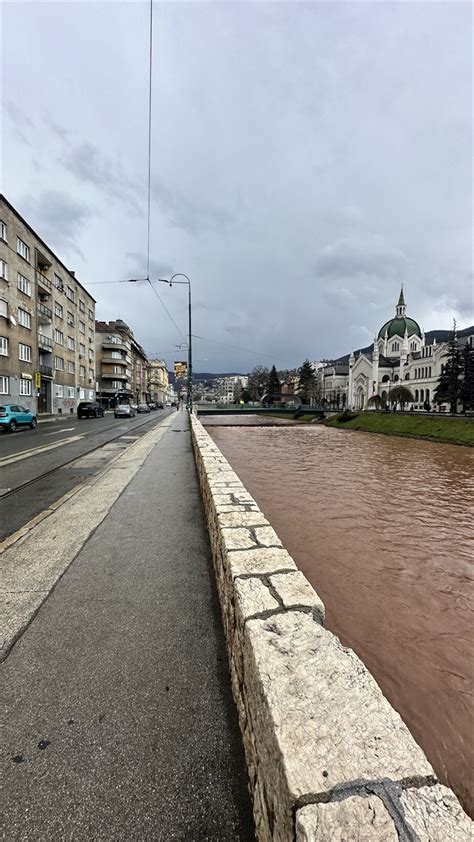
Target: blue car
[13, 416]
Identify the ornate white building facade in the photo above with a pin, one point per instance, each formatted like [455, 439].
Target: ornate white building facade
[400, 354]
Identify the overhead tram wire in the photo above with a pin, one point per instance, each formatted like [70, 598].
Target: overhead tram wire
[149, 141]
[236, 347]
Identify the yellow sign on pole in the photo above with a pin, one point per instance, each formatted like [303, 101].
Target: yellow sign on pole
[180, 370]
[37, 380]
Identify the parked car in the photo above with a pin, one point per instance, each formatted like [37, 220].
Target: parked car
[89, 409]
[143, 407]
[134, 406]
[124, 410]
[13, 416]
[152, 405]
[159, 406]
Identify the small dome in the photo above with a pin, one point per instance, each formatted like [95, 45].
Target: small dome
[397, 326]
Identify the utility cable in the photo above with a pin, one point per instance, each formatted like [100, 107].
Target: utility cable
[149, 142]
[236, 347]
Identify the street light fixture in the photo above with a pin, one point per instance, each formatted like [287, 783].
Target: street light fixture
[190, 348]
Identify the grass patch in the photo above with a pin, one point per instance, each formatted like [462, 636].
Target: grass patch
[449, 430]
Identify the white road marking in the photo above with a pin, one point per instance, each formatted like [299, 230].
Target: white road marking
[18, 457]
[64, 430]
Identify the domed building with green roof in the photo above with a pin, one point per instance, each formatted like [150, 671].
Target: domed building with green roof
[400, 354]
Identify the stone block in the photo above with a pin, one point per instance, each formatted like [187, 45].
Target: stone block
[435, 815]
[252, 597]
[318, 716]
[354, 819]
[267, 537]
[294, 589]
[237, 539]
[260, 560]
[242, 519]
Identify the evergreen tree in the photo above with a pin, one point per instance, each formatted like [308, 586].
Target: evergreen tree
[273, 384]
[466, 393]
[307, 382]
[449, 387]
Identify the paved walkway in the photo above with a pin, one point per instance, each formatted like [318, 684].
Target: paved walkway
[120, 723]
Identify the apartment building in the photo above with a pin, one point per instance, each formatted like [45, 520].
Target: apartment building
[47, 317]
[121, 364]
[159, 382]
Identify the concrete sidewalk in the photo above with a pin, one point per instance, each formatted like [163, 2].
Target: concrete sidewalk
[120, 722]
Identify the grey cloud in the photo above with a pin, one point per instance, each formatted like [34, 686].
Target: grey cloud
[59, 219]
[137, 266]
[192, 215]
[350, 257]
[22, 124]
[89, 164]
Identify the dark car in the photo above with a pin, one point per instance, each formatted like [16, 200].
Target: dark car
[89, 409]
[143, 407]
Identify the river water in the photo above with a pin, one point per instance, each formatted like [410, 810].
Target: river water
[382, 528]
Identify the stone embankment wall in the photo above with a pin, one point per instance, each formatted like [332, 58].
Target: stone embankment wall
[328, 758]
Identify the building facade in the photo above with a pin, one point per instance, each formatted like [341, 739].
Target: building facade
[47, 351]
[121, 364]
[159, 381]
[400, 355]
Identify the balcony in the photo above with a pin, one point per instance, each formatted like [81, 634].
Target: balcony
[46, 370]
[112, 376]
[114, 346]
[45, 341]
[44, 284]
[45, 314]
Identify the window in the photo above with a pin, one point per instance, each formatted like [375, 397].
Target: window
[3, 231]
[70, 318]
[70, 343]
[24, 284]
[59, 337]
[59, 390]
[4, 385]
[116, 355]
[82, 394]
[58, 283]
[82, 306]
[70, 391]
[59, 363]
[25, 387]
[91, 394]
[116, 384]
[91, 314]
[91, 374]
[71, 367]
[23, 250]
[82, 327]
[416, 395]
[82, 349]
[395, 346]
[91, 354]
[91, 335]
[3, 269]
[82, 371]
[58, 310]
[3, 308]
[429, 371]
[3, 346]
[118, 369]
[24, 318]
[70, 293]
[24, 352]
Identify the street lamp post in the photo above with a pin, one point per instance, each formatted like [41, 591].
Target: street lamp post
[190, 347]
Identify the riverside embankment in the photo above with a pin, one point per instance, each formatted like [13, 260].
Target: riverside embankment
[381, 527]
[438, 428]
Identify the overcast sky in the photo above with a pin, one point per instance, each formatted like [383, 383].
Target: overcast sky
[307, 158]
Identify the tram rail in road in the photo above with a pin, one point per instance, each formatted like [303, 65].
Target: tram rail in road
[25, 497]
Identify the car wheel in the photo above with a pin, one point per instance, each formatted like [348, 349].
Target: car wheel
[33, 423]
[12, 426]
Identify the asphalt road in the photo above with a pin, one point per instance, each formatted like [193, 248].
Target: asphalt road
[118, 712]
[27, 458]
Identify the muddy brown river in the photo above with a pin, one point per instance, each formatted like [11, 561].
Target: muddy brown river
[382, 528]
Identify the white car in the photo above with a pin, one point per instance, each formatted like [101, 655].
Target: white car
[124, 410]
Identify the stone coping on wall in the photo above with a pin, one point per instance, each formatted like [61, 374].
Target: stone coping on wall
[328, 758]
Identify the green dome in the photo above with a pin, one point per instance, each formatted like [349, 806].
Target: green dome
[396, 327]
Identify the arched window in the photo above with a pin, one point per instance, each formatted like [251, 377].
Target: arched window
[412, 346]
[385, 378]
[427, 395]
[407, 376]
[416, 395]
[396, 378]
[421, 395]
[429, 375]
[395, 346]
